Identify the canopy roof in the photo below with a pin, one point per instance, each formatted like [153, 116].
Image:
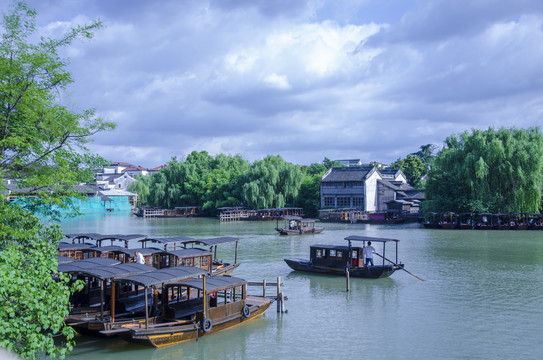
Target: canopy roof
[213, 284]
[120, 237]
[166, 241]
[114, 248]
[291, 217]
[91, 236]
[333, 247]
[182, 253]
[89, 263]
[165, 275]
[213, 241]
[64, 259]
[105, 272]
[64, 246]
[367, 238]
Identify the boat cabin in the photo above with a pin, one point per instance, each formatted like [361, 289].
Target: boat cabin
[196, 257]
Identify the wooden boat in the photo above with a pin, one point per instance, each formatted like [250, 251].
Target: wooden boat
[483, 221]
[500, 221]
[535, 221]
[192, 309]
[432, 220]
[107, 298]
[449, 220]
[338, 259]
[295, 225]
[466, 221]
[219, 266]
[383, 217]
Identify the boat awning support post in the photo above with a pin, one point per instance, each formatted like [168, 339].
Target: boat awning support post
[236, 254]
[146, 309]
[205, 296]
[113, 301]
[102, 300]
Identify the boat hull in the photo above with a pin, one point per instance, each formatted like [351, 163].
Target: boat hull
[369, 272]
[157, 336]
[282, 231]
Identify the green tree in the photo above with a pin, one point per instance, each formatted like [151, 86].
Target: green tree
[141, 187]
[271, 183]
[34, 297]
[43, 148]
[413, 168]
[495, 171]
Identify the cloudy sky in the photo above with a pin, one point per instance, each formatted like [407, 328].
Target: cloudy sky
[305, 79]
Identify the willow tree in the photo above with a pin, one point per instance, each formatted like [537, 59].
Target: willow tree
[199, 180]
[496, 171]
[271, 183]
[43, 149]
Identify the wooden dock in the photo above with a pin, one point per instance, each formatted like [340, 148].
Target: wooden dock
[279, 297]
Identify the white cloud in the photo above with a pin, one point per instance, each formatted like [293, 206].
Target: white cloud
[235, 76]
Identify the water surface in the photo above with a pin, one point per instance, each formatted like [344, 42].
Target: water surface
[482, 298]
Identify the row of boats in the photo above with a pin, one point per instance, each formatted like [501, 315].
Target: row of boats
[483, 221]
[181, 291]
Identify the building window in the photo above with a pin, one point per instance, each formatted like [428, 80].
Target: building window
[343, 202]
[329, 201]
[358, 202]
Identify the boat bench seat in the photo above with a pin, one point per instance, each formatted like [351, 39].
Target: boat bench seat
[184, 309]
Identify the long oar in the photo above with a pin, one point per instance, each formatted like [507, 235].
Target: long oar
[392, 262]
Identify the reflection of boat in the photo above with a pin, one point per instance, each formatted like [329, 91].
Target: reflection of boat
[337, 259]
[194, 308]
[295, 225]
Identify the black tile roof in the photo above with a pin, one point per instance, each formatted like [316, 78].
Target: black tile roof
[352, 173]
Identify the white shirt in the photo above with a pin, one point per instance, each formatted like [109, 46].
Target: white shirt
[368, 252]
[140, 259]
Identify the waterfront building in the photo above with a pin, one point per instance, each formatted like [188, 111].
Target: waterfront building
[367, 188]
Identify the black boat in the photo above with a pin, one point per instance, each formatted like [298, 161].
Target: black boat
[338, 259]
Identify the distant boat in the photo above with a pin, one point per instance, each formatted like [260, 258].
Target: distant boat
[338, 259]
[295, 225]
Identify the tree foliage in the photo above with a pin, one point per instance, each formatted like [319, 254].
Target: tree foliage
[494, 171]
[199, 180]
[413, 168]
[271, 183]
[43, 148]
[34, 298]
[42, 142]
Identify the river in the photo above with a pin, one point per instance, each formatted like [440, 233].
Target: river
[482, 298]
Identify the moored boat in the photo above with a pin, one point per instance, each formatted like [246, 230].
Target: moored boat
[338, 259]
[194, 308]
[295, 225]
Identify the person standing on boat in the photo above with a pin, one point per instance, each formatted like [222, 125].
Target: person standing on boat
[139, 258]
[368, 254]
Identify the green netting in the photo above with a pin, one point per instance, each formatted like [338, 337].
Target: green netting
[94, 205]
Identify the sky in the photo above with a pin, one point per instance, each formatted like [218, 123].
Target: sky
[304, 79]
